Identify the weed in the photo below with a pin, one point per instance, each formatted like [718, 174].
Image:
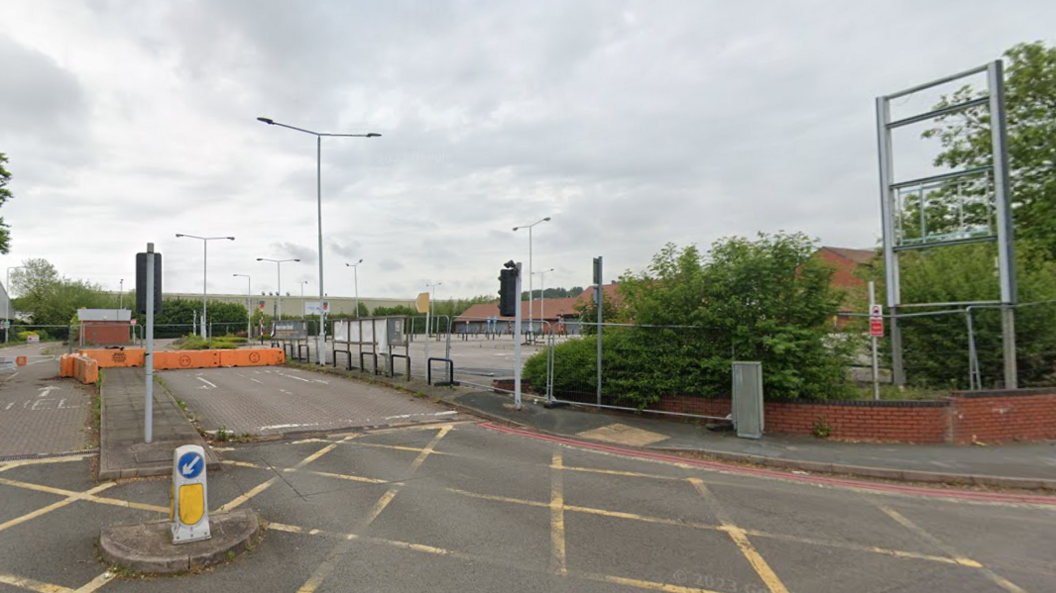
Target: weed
[822, 429]
[222, 434]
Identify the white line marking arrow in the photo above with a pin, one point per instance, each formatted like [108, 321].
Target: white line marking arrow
[44, 391]
[204, 380]
[189, 466]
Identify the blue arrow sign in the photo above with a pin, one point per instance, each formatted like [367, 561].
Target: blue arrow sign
[190, 465]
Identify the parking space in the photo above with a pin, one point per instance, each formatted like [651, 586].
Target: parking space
[280, 400]
[458, 506]
[41, 414]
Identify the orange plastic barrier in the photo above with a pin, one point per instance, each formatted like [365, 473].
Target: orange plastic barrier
[85, 369]
[252, 357]
[64, 364]
[113, 357]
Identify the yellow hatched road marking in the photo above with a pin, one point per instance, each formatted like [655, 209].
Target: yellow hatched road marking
[306, 471]
[653, 586]
[32, 585]
[242, 499]
[90, 498]
[330, 563]
[557, 517]
[995, 578]
[23, 463]
[94, 584]
[740, 538]
[54, 506]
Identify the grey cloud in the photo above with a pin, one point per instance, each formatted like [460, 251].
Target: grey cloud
[307, 254]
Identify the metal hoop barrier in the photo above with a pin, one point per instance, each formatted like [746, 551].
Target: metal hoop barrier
[450, 372]
[392, 364]
[371, 354]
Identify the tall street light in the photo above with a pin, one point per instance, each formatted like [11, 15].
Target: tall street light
[432, 288]
[542, 297]
[531, 320]
[302, 283]
[278, 270]
[7, 303]
[205, 268]
[355, 270]
[249, 303]
[319, 206]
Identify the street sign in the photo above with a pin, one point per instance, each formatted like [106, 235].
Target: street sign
[261, 305]
[190, 464]
[876, 321]
[132, 321]
[189, 505]
[313, 308]
[422, 302]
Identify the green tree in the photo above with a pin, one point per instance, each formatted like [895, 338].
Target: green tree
[5, 195]
[1030, 83]
[935, 347]
[50, 299]
[765, 300]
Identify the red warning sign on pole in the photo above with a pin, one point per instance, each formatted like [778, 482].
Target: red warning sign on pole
[876, 321]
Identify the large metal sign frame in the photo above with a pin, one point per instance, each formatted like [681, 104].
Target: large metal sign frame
[894, 193]
[374, 337]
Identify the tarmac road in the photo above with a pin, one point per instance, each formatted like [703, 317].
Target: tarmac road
[459, 506]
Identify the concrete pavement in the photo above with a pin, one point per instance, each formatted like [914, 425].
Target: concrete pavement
[1020, 465]
[41, 414]
[466, 507]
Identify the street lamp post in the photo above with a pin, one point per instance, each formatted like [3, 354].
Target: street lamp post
[302, 283]
[249, 304]
[531, 319]
[355, 270]
[542, 297]
[321, 349]
[432, 297]
[205, 268]
[278, 271]
[7, 303]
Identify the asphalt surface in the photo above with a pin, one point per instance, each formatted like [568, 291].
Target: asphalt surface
[467, 507]
[40, 414]
[280, 400]
[477, 360]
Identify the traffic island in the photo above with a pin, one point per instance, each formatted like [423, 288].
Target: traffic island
[147, 548]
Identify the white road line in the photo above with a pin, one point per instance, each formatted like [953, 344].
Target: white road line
[207, 382]
[295, 377]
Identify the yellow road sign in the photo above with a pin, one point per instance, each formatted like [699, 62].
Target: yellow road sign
[422, 302]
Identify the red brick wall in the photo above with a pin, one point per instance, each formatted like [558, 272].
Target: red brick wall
[989, 417]
[1004, 416]
[106, 333]
[883, 421]
[920, 422]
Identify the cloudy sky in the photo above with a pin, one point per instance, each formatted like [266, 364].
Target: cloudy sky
[631, 124]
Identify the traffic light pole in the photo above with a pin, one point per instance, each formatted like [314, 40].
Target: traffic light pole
[517, 345]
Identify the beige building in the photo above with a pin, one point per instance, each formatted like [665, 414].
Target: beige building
[293, 306]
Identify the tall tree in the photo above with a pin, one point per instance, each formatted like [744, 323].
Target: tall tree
[50, 299]
[1030, 93]
[5, 195]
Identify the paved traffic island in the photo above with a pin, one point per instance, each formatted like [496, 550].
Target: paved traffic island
[147, 548]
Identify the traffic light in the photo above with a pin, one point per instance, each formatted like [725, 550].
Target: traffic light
[508, 297]
[141, 282]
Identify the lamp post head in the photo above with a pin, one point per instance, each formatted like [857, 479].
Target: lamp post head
[547, 219]
[260, 259]
[297, 259]
[373, 135]
[516, 227]
[230, 238]
[178, 235]
[266, 120]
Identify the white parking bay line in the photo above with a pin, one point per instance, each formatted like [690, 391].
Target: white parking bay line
[295, 377]
[207, 382]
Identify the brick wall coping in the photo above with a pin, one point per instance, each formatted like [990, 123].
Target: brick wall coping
[1003, 393]
[864, 403]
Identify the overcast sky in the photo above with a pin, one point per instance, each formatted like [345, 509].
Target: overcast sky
[631, 124]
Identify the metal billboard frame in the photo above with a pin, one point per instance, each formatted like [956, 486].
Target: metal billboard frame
[998, 169]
